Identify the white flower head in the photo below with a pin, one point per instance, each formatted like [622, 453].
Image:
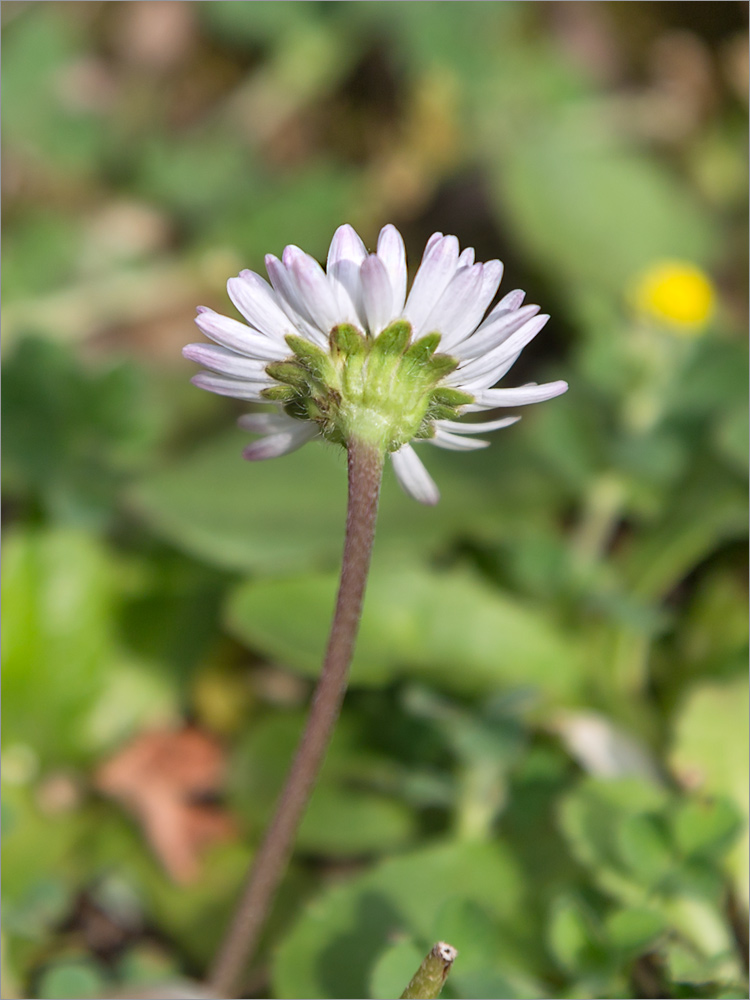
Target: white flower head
[345, 353]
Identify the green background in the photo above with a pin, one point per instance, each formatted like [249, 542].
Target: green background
[542, 755]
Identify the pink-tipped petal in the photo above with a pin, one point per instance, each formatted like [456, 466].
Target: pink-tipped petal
[266, 423]
[494, 361]
[430, 244]
[345, 256]
[238, 337]
[435, 272]
[289, 300]
[256, 300]
[490, 335]
[225, 362]
[377, 294]
[234, 387]
[314, 289]
[392, 253]
[492, 272]
[275, 445]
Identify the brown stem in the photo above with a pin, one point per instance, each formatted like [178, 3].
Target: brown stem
[365, 464]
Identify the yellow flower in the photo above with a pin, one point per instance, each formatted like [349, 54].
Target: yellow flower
[676, 293]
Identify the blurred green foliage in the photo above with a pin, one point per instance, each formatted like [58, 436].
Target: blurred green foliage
[542, 757]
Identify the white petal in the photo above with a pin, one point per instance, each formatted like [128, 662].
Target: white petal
[274, 445]
[235, 336]
[522, 396]
[218, 359]
[430, 244]
[476, 305]
[436, 270]
[513, 300]
[493, 275]
[377, 294]
[345, 255]
[490, 335]
[508, 303]
[289, 299]
[266, 423]
[491, 378]
[346, 245]
[448, 315]
[313, 288]
[223, 385]
[392, 253]
[413, 477]
[466, 257]
[495, 359]
[452, 442]
[455, 427]
[257, 302]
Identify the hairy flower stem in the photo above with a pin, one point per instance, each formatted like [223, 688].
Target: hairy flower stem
[365, 463]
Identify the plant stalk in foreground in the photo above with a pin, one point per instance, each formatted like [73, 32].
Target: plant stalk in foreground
[365, 465]
[430, 977]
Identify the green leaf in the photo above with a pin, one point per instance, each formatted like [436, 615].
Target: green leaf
[236, 24]
[72, 978]
[39, 883]
[57, 641]
[70, 689]
[710, 751]
[713, 633]
[643, 846]
[664, 554]
[688, 965]
[635, 929]
[288, 514]
[394, 970]
[343, 818]
[243, 515]
[195, 916]
[450, 628]
[471, 930]
[70, 449]
[703, 826]
[572, 934]
[549, 182]
[490, 962]
[592, 817]
[350, 924]
[732, 438]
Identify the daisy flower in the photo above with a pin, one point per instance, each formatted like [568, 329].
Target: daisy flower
[346, 353]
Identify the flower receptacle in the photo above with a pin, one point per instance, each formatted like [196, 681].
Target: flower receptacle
[382, 390]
